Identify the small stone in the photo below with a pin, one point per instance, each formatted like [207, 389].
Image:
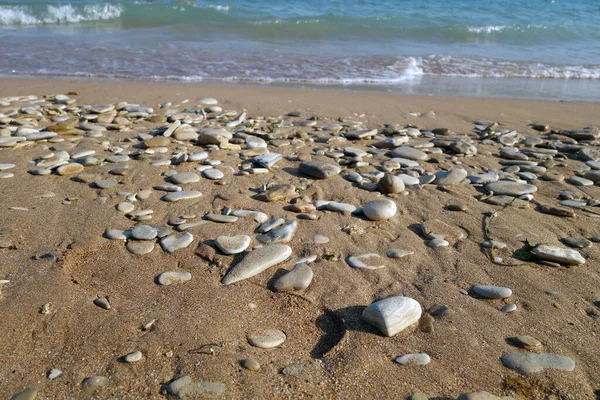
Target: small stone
[278, 193]
[144, 232]
[281, 234]
[579, 181]
[28, 394]
[182, 195]
[577, 242]
[233, 244]
[378, 210]
[320, 239]
[54, 373]
[393, 314]
[319, 169]
[451, 177]
[250, 364]
[438, 242]
[390, 184]
[93, 383]
[105, 184]
[125, 207]
[413, 359]
[267, 160]
[185, 178]
[509, 308]
[173, 277]
[133, 357]
[559, 255]
[172, 243]
[492, 292]
[140, 247]
[268, 339]
[102, 302]
[224, 219]
[357, 261]
[257, 261]
[212, 174]
[69, 169]
[510, 188]
[482, 396]
[299, 278]
[527, 342]
[532, 362]
[409, 153]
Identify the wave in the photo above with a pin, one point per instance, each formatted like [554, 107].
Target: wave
[59, 14]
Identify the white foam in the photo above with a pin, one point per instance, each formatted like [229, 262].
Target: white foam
[59, 14]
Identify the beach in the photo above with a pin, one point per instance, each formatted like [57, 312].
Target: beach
[91, 221]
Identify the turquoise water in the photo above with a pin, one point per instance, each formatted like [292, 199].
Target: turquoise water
[536, 48]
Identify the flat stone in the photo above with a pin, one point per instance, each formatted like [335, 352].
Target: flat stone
[527, 342]
[558, 211]
[185, 389]
[258, 216]
[510, 188]
[185, 177]
[533, 362]
[69, 169]
[451, 177]
[413, 359]
[168, 188]
[299, 278]
[319, 169]
[281, 234]
[172, 243]
[320, 239]
[250, 364]
[267, 160]
[213, 174]
[125, 207]
[27, 394]
[140, 247]
[579, 181]
[397, 253]
[173, 277]
[492, 292]
[144, 232]
[393, 314]
[267, 339]
[133, 357]
[357, 261]
[257, 261]
[559, 255]
[409, 180]
[233, 244]
[4, 167]
[378, 210]
[54, 373]
[577, 242]
[278, 193]
[482, 396]
[182, 195]
[409, 153]
[270, 225]
[504, 200]
[92, 383]
[509, 308]
[102, 302]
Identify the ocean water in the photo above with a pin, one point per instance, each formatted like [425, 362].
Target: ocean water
[502, 48]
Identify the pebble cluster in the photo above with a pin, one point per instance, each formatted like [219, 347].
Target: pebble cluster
[182, 143]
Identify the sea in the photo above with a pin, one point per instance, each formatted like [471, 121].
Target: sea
[541, 49]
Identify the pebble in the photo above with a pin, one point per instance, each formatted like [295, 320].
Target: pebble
[507, 308]
[92, 383]
[510, 188]
[182, 195]
[397, 253]
[320, 239]
[527, 342]
[102, 302]
[185, 389]
[298, 278]
[533, 362]
[27, 394]
[390, 184]
[257, 261]
[144, 232]
[413, 359]
[357, 261]
[224, 219]
[378, 210]
[172, 243]
[492, 292]
[409, 153]
[451, 177]
[267, 160]
[125, 207]
[393, 314]
[233, 244]
[319, 169]
[69, 169]
[139, 247]
[133, 357]
[577, 242]
[54, 373]
[269, 225]
[212, 174]
[559, 255]
[173, 277]
[184, 178]
[267, 339]
[250, 364]
[281, 234]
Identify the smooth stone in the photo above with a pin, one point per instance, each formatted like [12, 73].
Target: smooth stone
[390, 184]
[27, 394]
[172, 243]
[105, 184]
[267, 160]
[69, 169]
[527, 342]
[356, 261]
[393, 314]
[282, 234]
[268, 339]
[573, 203]
[438, 242]
[250, 364]
[413, 359]
[168, 188]
[397, 253]
[319, 169]
[185, 389]
[233, 244]
[133, 357]
[492, 292]
[6, 166]
[172, 277]
[409, 153]
[341, 207]
[493, 244]
[102, 302]
[482, 396]
[559, 255]
[510, 188]
[257, 261]
[224, 219]
[451, 177]
[54, 373]
[298, 278]
[277, 193]
[144, 232]
[320, 239]
[213, 174]
[125, 207]
[558, 211]
[270, 225]
[504, 200]
[409, 180]
[140, 247]
[182, 195]
[92, 383]
[509, 308]
[258, 216]
[185, 177]
[577, 242]
[579, 181]
[483, 178]
[533, 362]
[378, 210]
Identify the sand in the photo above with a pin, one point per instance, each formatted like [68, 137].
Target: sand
[333, 353]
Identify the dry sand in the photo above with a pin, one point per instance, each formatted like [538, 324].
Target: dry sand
[337, 355]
